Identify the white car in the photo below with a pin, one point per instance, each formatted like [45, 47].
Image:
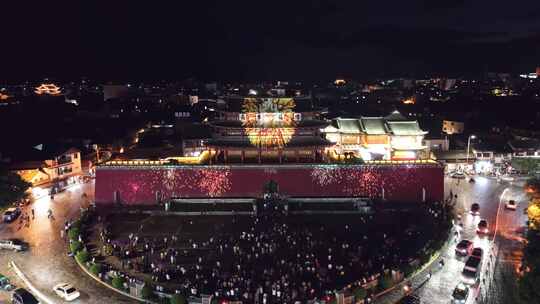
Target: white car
[511, 204]
[66, 291]
[13, 244]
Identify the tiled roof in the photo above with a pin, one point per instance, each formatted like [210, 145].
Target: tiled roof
[349, 125]
[405, 128]
[373, 125]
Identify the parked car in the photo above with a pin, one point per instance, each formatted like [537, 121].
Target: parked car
[66, 291]
[460, 294]
[511, 204]
[464, 247]
[475, 209]
[11, 214]
[478, 253]
[13, 244]
[482, 227]
[471, 271]
[22, 296]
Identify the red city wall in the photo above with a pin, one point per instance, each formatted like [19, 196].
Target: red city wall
[143, 185]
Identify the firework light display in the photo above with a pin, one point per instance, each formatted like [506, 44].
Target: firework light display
[142, 185]
[269, 122]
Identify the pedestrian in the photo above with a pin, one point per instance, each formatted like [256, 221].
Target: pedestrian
[62, 232]
[33, 214]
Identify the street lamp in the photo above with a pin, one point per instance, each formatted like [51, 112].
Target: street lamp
[472, 136]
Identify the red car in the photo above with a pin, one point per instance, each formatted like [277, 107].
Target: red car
[464, 247]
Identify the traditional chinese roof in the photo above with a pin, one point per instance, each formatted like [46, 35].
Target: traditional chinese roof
[348, 125]
[294, 142]
[524, 145]
[373, 125]
[405, 128]
[395, 116]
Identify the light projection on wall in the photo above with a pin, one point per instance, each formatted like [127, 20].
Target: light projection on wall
[146, 185]
[269, 122]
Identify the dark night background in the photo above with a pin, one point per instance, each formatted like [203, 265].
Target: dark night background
[242, 40]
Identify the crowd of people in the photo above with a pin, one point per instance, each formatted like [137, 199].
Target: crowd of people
[272, 259]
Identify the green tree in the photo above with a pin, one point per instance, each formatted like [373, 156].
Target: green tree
[82, 256]
[95, 269]
[526, 164]
[75, 246]
[118, 283]
[12, 187]
[178, 299]
[74, 233]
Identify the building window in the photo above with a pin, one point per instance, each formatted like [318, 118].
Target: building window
[75, 155]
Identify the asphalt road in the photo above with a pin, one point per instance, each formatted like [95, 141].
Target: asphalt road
[47, 263]
[502, 246]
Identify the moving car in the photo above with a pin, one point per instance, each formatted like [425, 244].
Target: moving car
[482, 227]
[460, 294]
[511, 204]
[66, 291]
[11, 214]
[459, 175]
[475, 209]
[464, 247]
[22, 296]
[13, 244]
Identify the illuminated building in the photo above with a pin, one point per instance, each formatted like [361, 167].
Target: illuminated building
[56, 167]
[391, 137]
[258, 139]
[48, 89]
[262, 129]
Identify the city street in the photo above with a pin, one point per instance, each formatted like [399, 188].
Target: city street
[47, 263]
[502, 246]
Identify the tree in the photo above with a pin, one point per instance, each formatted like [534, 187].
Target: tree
[178, 299]
[147, 291]
[118, 283]
[526, 164]
[12, 187]
[82, 256]
[75, 246]
[95, 269]
[533, 212]
[532, 186]
[74, 233]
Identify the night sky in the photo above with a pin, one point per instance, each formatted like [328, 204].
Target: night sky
[256, 40]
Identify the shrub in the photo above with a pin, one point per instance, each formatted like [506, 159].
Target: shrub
[75, 246]
[74, 233]
[95, 269]
[118, 283]
[178, 299]
[385, 281]
[147, 291]
[359, 293]
[82, 256]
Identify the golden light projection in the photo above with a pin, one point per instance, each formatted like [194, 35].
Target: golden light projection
[4, 96]
[410, 100]
[48, 89]
[269, 122]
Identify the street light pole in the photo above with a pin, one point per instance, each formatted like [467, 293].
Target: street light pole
[468, 146]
